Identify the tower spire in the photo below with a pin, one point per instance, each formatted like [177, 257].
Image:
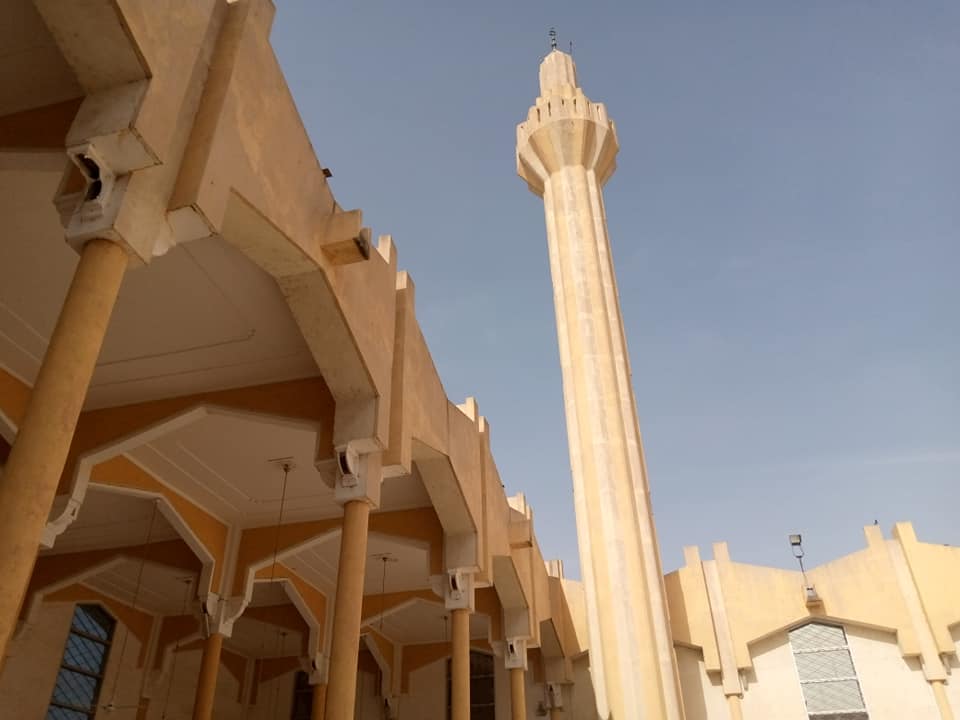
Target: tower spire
[566, 151]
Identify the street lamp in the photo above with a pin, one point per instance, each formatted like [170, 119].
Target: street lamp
[796, 545]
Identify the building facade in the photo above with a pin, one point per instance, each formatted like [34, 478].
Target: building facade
[231, 482]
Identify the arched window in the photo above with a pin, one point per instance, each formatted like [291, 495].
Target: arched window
[84, 661]
[827, 675]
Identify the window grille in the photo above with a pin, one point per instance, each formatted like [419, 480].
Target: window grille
[482, 697]
[84, 660]
[828, 678]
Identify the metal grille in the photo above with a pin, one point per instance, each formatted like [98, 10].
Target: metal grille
[828, 678]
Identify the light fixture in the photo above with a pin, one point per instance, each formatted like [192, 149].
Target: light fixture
[810, 593]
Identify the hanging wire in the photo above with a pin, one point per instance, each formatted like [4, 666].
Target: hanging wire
[384, 558]
[187, 582]
[136, 596]
[281, 638]
[276, 537]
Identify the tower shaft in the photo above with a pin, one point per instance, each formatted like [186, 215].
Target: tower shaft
[566, 152]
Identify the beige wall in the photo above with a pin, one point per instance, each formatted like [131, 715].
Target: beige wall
[427, 697]
[953, 682]
[773, 688]
[702, 695]
[584, 704]
[893, 687]
[34, 659]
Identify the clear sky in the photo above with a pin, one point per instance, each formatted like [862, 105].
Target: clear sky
[785, 221]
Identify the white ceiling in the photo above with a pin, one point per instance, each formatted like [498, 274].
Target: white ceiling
[110, 519]
[426, 622]
[409, 569]
[156, 589]
[201, 317]
[223, 462]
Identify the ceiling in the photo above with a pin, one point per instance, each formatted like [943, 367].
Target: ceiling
[426, 622]
[407, 569]
[111, 519]
[156, 589]
[33, 73]
[201, 317]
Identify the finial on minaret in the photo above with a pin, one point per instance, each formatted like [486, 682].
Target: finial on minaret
[553, 38]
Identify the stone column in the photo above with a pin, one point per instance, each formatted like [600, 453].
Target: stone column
[345, 641]
[518, 694]
[32, 473]
[555, 713]
[460, 664]
[319, 701]
[207, 680]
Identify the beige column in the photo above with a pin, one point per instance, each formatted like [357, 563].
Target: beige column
[555, 713]
[345, 641]
[943, 702]
[518, 694]
[460, 665]
[319, 701]
[207, 681]
[39, 452]
[735, 706]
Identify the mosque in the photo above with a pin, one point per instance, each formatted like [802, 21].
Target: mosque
[232, 485]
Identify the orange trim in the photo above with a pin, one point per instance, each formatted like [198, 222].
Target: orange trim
[418, 524]
[375, 604]
[42, 128]
[258, 544]
[308, 399]
[315, 600]
[173, 629]
[122, 473]
[384, 645]
[414, 657]
[51, 569]
[137, 622]
[14, 395]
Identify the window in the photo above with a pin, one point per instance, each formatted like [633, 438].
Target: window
[827, 676]
[84, 661]
[302, 697]
[482, 698]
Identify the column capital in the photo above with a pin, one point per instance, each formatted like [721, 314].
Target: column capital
[357, 475]
[515, 653]
[458, 589]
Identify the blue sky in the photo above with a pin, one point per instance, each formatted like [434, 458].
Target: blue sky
[785, 221]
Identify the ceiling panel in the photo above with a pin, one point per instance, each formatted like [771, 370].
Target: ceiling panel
[156, 589]
[110, 519]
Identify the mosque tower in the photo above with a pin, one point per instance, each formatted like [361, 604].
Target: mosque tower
[566, 152]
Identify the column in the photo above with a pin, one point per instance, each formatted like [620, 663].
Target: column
[943, 702]
[518, 694]
[319, 701]
[207, 681]
[555, 713]
[345, 641]
[30, 479]
[735, 706]
[460, 665]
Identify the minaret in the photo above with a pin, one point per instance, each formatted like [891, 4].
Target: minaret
[566, 152]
